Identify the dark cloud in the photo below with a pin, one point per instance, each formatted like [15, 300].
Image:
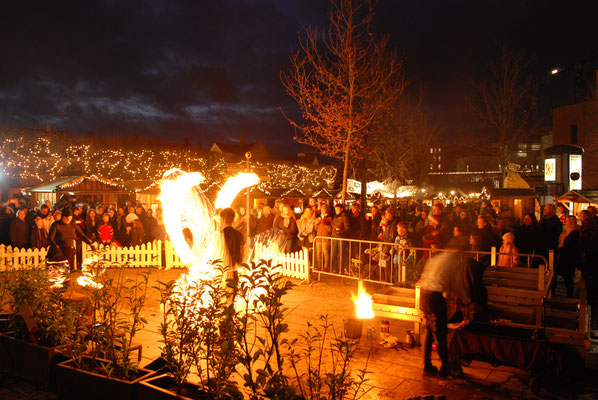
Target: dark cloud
[209, 69]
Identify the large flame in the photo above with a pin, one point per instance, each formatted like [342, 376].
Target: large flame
[189, 217]
[363, 303]
[233, 186]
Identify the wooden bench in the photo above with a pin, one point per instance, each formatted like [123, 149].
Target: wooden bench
[400, 304]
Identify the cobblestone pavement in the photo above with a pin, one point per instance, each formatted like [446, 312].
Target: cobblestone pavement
[394, 374]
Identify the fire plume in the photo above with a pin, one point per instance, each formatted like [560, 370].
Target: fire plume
[233, 186]
[189, 217]
[363, 303]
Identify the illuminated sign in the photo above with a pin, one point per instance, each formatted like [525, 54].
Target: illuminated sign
[550, 169]
[574, 169]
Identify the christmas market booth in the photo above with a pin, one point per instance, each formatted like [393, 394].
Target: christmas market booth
[91, 189]
[293, 197]
[520, 201]
[577, 200]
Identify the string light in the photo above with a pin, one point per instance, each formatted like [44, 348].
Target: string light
[33, 157]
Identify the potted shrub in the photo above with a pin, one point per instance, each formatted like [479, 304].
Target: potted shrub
[100, 366]
[218, 329]
[197, 336]
[38, 326]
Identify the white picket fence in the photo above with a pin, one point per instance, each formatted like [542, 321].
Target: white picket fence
[171, 258]
[21, 258]
[293, 265]
[141, 256]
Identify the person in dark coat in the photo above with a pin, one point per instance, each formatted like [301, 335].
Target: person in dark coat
[527, 237]
[6, 217]
[151, 223]
[323, 230]
[265, 221]
[19, 231]
[568, 253]
[356, 223]
[419, 229]
[137, 233]
[445, 225]
[550, 229]
[340, 230]
[62, 238]
[91, 224]
[285, 228]
[39, 236]
[233, 242]
[489, 237]
[589, 252]
[357, 229]
[372, 226]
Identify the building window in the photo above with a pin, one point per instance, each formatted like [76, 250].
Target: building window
[573, 134]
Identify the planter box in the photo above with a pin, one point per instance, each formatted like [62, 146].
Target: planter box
[156, 388]
[75, 384]
[30, 361]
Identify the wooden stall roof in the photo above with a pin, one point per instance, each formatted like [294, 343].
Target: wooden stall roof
[517, 193]
[292, 193]
[50, 187]
[322, 194]
[260, 192]
[574, 197]
[83, 183]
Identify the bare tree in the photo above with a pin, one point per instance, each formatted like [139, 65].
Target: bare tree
[504, 105]
[343, 81]
[402, 152]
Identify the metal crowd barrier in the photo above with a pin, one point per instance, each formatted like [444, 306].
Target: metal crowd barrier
[374, 261]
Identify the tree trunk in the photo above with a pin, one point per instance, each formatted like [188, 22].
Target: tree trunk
[345, 170]
[364, 183]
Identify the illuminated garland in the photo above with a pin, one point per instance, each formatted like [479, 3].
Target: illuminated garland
[326, 192]
[79, 180]
[33, 157]
[301, 192]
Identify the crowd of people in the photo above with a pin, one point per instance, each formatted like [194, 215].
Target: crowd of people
[59, 226]
[385, 229]
[376, 236]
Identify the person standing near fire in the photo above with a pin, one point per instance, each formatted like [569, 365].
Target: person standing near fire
[444, 273]
[233, 242]
[62, 238]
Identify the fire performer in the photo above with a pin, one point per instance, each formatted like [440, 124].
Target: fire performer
[62, 238]
[444, 273]
[233, 240]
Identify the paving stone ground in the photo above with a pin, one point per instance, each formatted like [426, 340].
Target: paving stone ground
[394, 374]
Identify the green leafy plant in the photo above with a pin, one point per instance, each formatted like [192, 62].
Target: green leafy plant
[261, 330]
[336, 381]
[41, 313]
[114, 303]
[198, 332]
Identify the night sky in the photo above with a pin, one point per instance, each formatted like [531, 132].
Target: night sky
[209, 69]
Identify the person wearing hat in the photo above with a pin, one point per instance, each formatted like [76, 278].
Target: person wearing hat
[509, 255]
[62, 238]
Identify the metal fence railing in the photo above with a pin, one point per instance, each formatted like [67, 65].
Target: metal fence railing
[391, 263]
